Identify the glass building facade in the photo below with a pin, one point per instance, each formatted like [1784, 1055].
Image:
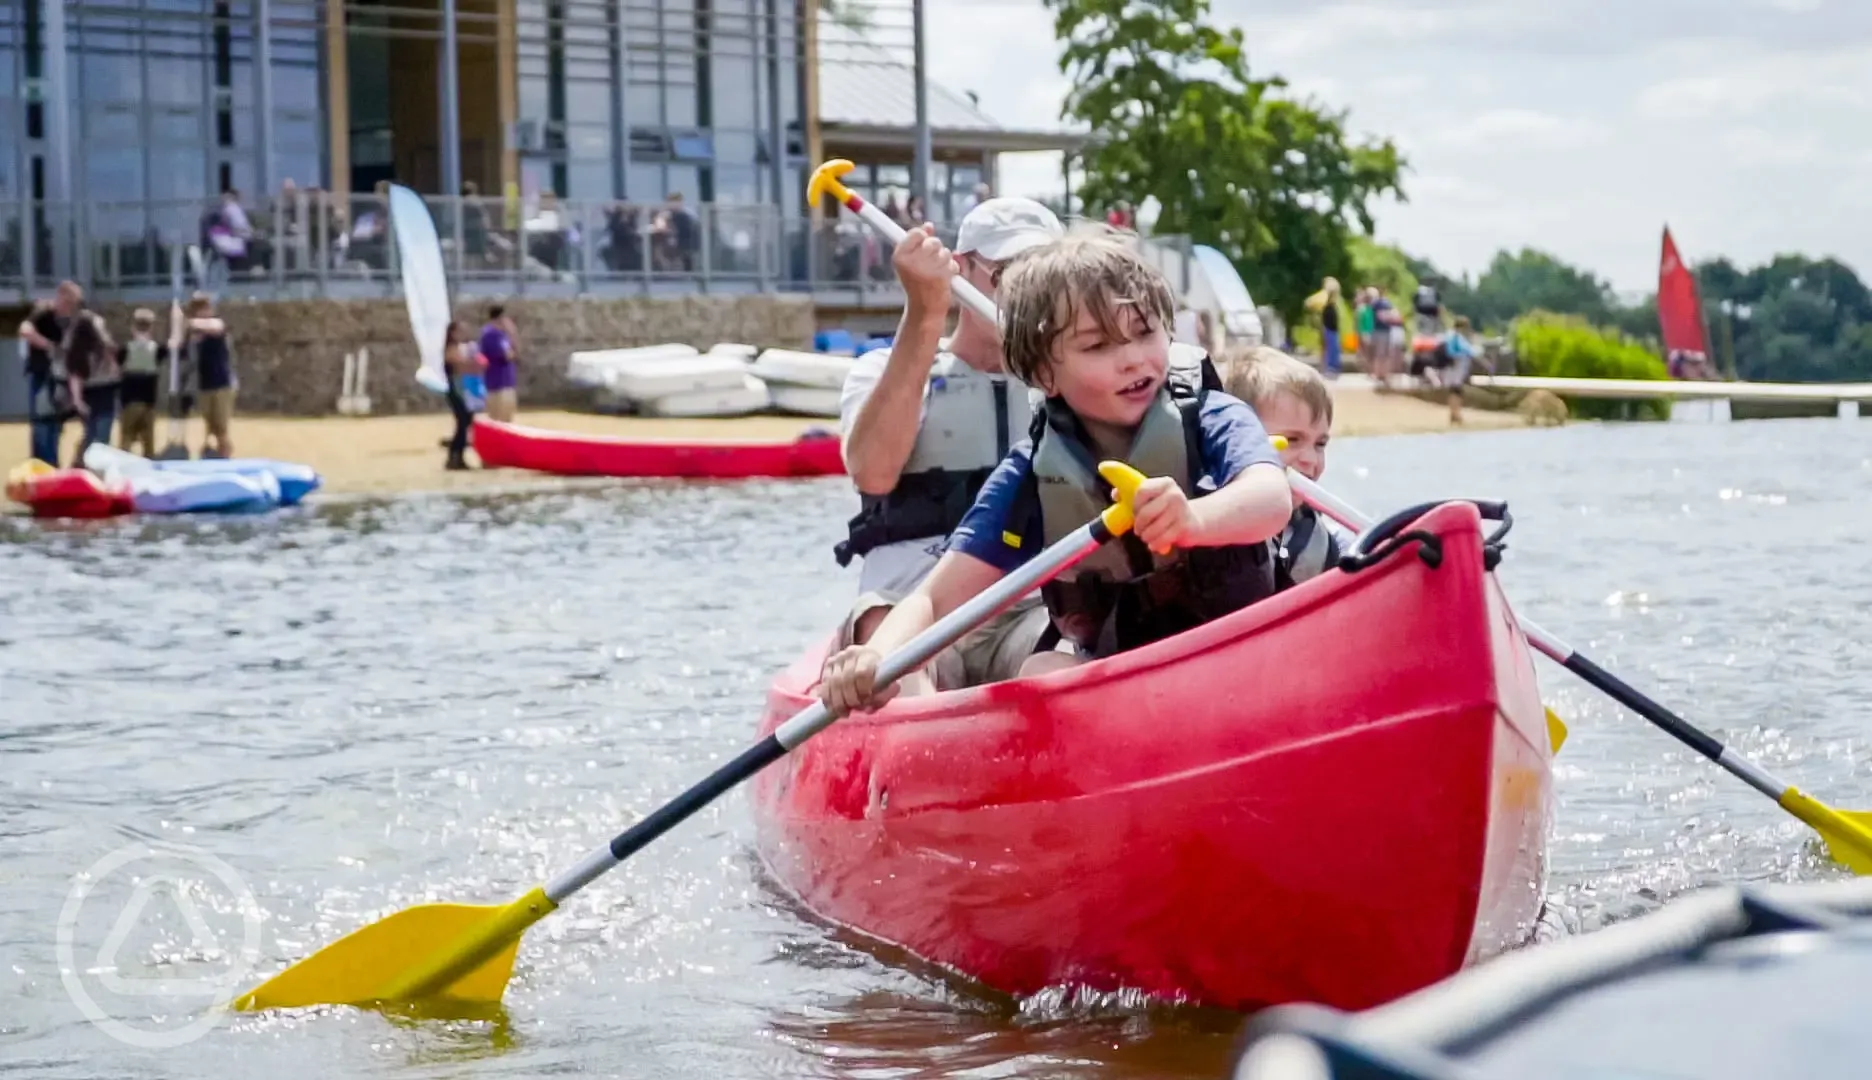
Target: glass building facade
[167, 103]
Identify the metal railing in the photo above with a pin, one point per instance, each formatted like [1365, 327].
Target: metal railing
[314, 244]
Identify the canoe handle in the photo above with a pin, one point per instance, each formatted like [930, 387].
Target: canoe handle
[1382, 540]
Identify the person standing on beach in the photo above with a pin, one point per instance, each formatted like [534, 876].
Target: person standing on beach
[48, 402]
[463, 364]
[501, 354]
[142, 360]
[91, 365]
[1326, 303]
[214, 373]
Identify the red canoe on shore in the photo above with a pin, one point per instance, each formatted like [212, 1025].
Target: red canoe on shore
[567, 453]
[1339, 795]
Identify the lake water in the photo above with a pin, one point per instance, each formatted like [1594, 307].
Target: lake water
[358, 706]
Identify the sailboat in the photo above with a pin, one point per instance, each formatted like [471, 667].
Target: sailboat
[1686, 343]
[1680, 314]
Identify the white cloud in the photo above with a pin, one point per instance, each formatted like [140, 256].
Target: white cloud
[1508, 129]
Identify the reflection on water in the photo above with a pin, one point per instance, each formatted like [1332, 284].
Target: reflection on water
[360, 706]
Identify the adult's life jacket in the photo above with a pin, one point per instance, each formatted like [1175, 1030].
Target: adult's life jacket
[970, 420]
[1124, 595]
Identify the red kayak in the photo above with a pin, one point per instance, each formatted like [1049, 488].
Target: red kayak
[1338, 795]
[66, 493]
[514, 446]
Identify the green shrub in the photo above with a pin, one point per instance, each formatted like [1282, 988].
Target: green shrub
[1568, 347]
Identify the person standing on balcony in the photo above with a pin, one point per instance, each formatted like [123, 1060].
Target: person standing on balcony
[48, 398]
[926, 421]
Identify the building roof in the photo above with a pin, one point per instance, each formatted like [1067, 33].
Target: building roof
[867, 94]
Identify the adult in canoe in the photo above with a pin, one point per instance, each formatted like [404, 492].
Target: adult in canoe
[924, 424]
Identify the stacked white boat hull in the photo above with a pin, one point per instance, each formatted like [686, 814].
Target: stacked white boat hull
[728, 380]
[803, 383]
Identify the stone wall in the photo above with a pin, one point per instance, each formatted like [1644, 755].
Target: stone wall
[289, 354]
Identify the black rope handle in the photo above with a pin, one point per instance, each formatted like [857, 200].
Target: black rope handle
[1386, 538]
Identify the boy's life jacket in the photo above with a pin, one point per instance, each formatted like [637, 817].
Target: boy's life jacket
[1306, 549]
[970, 420]
[140, 358]
[1123, 595]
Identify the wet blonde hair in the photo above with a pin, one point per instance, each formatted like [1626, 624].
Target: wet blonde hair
[1258, 374]
[1091, 268]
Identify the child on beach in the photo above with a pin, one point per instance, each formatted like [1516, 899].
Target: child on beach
[1460, 351]
[143, 359]
[467, 390]
[1084, 321]
[1293, 403]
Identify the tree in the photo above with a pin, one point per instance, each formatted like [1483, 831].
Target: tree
[1383, 266]
[1794, 319]
[844, 13]
[1532, 280]
[1271, 182]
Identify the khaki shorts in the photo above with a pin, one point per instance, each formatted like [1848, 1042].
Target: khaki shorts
[217, 408]
[992, 652]
[137, 424]
[502, 404]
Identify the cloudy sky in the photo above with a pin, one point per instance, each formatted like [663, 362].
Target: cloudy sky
[1576, 126]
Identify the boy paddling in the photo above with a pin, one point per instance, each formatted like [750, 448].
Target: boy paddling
[1084, 319]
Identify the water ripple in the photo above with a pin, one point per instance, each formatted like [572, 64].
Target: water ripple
[366, 704]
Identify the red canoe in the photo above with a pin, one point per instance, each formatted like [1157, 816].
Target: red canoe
[1339, 795]
[66, 493]
[567, 453]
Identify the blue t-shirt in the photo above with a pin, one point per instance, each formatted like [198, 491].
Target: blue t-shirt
[1232, 440]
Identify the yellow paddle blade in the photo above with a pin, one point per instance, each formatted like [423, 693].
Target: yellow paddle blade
[1556, 730]
[1848, 833]
[461, 952]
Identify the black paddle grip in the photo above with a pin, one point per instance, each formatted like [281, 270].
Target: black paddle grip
[677, 810]
[1625, 694]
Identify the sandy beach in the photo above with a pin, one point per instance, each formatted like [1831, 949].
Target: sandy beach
[392, 455]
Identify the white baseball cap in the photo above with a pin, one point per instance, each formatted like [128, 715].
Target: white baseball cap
[999, 229]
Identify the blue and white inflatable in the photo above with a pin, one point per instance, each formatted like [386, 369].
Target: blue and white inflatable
[233, 485]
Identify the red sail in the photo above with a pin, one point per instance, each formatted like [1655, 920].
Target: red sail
[1680, 312]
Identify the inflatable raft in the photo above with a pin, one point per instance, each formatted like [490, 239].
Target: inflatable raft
[1729, 984]
[1216, 818]
[237, 485]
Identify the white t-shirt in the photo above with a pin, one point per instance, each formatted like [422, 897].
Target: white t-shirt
[897, 568]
